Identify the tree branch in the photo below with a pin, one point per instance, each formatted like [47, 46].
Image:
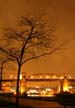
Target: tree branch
[49, 53]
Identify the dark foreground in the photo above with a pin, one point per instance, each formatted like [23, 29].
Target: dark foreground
[5, 104]
[31, 103]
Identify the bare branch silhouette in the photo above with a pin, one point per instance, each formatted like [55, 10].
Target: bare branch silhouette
[33, 39]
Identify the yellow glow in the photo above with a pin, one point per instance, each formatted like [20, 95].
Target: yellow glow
[14, 92]
[15, 77]
[20, 77]
[65, 85]
[70, 77]
[54, 76]
[11, 76]
[32, 91]
[47, 76]
[43, 93]
[22, 87]
[22, 90]
[31, 77]
[61, 77]
[41, 76]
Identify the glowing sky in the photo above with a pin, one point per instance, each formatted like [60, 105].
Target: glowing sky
[64, 13]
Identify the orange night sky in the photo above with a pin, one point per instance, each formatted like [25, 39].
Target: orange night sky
[64, 13]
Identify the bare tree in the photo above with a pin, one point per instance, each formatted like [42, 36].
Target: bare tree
[31, 40]
[3, 60]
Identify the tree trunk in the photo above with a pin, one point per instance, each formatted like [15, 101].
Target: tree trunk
[17, 89]
[1, 78]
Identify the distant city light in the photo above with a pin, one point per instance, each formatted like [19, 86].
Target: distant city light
[11, 76]
[31, 77]
[70, 77]
[61, 77]
[54, 77]
[41, 76]
[15, 77]
[47, 76]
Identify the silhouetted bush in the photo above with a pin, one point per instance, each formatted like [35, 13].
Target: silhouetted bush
[66, 98]
[24, 94]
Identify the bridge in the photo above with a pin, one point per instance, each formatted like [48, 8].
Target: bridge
[41, 77]
[14, 80]
[34, 80]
